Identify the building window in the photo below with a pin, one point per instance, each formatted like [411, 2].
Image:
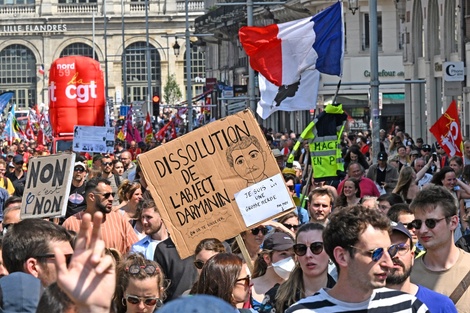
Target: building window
[17, 2]
[198, 66]
[137, 69]
[78, 49]
[366, 32]
[76, 1]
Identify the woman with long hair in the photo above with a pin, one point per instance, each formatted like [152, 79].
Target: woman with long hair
[407, 184]
[394, 144]
[226, 277]
[351, 193]
[139, 285]
[253, 240]
[131, 194]
[310, 273]
[354, 154]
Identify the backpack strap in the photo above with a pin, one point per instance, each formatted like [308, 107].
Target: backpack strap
[460, 289]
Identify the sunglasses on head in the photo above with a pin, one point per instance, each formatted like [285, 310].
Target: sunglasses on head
[300, 249]
[378, 253]
[135, 269]
[199, 264]
[430, 223]
[290, 226]
[246, 281]
[106, 195]
[79, 169]
[148, 301]
[263, 230]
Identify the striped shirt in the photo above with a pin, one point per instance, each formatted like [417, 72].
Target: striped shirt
[382, 300]
[116, 232]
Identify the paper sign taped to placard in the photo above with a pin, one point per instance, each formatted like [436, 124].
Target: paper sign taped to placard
[194, 178]
[47, 186]
[97, 139]
[262, 200]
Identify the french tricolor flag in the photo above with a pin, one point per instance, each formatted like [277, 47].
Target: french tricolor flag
[290, 57]
[41, 69]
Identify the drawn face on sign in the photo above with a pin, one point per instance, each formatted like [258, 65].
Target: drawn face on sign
[248, 159]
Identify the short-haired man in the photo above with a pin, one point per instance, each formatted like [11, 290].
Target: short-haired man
[76, 202]
[357, 240]
[116, 232]
[129, 166]
[107, 172]
[367, 185]
[11, 212]
[320, 205]
[418, 165]
[29, 245]
[399, 275]
[444, 266]
[401, 213]
[383, 174]
[153, 227]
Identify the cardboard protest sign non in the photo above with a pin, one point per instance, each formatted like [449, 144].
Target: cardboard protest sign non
[194, 179]
[47, 186]
[98, 139]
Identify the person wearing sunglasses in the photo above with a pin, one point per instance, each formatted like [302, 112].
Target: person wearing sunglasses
[444, 266]
[253, 240]
[226, 277]
[206, 249]
[140, 285]
[357, 240]
[309, 274]
[116, 230]
[107, 166]
[273, 266]
[76, 201]
[399, 275]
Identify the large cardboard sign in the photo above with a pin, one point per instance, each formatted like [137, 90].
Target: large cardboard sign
[96, 139]
[47, 186]
[195, 179]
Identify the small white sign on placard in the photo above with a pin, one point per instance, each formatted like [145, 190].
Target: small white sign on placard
[96, 139]
[262, 200]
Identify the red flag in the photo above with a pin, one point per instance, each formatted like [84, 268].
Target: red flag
[448, 132]
[148, 129]
[29, 131]
[173, 129]
[162, 132]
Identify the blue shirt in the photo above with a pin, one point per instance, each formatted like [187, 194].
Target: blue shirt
[146, 246]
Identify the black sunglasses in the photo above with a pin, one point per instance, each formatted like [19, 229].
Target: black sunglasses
[291, 188]
[300, 249]
[199, 264]
[378, 253]
[148, 301]
[79, 169]
[263, 230]
[430, 223]
[135, 269]
[290, 226]
[107, 163]
[246, 280]
[68, 257]
[106, 195]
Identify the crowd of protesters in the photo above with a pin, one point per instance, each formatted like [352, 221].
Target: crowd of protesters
[390, 233]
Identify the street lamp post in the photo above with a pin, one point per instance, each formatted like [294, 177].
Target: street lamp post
[189, 91]
[149, 64]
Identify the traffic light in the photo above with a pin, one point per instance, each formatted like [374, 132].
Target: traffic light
[156, 104]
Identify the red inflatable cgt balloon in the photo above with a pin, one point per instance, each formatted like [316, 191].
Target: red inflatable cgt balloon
[76, 94]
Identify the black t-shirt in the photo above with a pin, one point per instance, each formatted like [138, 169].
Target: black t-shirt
[380, 178]
[76, 202]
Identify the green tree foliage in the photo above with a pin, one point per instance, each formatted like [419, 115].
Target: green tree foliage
[171, 91]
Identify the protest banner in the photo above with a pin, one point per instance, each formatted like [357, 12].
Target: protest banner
[47, 186]
[97, 139]
[216, 181]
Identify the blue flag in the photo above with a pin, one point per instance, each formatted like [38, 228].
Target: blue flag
[4, 99]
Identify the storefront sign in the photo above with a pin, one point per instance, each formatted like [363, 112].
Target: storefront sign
[32, 28]
[385, 73]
